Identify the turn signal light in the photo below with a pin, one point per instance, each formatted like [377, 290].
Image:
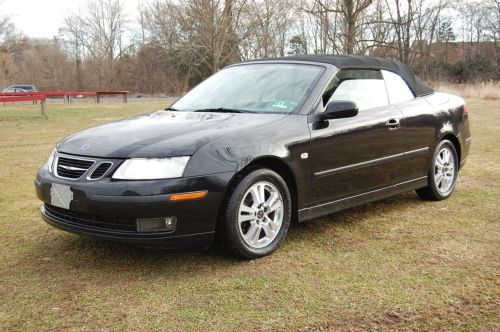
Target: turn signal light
[187, 196]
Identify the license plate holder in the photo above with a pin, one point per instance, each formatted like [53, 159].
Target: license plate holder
[60, 195]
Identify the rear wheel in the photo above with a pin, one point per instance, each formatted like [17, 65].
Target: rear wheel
[258, 214]
[442, 176]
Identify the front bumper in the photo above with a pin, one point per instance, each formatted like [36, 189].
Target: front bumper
[97, 205]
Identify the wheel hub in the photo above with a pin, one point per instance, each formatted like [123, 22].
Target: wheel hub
[445, 170]
[260, 215]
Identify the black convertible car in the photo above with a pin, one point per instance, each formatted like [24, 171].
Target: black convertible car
[255, 146]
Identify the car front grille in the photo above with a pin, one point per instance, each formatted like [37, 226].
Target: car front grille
[100, 170]
[91, 221]
[72, 168]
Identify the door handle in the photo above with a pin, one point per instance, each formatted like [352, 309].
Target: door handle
[392, 124]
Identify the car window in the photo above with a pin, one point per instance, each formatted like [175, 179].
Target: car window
[260, 88]
[364, 87]
[397, 88]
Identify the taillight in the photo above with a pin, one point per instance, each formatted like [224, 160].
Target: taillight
[466, 111]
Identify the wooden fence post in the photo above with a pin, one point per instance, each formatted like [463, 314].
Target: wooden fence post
[44, 107]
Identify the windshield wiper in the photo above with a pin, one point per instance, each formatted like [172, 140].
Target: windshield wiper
[223, 110]
[171, 109]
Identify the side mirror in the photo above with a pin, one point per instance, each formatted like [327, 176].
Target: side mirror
[340, 109]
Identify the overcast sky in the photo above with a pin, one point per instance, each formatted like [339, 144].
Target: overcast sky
[42, 18]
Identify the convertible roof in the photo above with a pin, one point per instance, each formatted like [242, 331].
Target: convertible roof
[365, 62]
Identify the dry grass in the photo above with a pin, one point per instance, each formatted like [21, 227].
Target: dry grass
[398, 264]
[485, 90]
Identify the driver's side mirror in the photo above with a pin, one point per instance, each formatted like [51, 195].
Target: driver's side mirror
[339, 109]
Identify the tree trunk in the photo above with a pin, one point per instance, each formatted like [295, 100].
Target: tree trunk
[351, 35]
[350, 22]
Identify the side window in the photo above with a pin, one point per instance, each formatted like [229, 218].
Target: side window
[397, 88]
[364, 87]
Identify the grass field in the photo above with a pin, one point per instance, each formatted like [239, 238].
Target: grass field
[400, 263]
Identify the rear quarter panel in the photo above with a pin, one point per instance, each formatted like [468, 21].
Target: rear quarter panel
[451, 119]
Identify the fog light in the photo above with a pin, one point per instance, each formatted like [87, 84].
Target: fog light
[162, 224]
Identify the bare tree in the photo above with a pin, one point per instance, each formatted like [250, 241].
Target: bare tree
[402, 20]
[6, 26]
[162, 20]
[269, 22]
[414, 24]
[479, 22]
[215, 29]
[104, 26]
[94, 36]
[350, 12]
[378, 38]
[493, 29]
[73, 33]
[178, 43]
[318, 23]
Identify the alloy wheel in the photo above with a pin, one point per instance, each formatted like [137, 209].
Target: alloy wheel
[260, 214]
[444, 170]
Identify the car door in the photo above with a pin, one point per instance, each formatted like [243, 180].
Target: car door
[419, 128]
[354, 155]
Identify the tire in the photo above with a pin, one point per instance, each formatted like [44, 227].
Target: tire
[443, 173]
[254, 227]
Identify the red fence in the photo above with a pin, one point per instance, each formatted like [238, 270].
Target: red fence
[68, 95]
[42, 98]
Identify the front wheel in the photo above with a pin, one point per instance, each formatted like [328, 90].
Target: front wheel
[443, 173]
[258, 214]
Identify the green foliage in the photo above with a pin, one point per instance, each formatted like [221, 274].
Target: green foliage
[445, 32]
[298, 45]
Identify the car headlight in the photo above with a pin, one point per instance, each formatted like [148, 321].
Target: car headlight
[151, 168]
[50, 162]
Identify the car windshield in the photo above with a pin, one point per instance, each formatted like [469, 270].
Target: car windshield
[255, 88]
[27, 87]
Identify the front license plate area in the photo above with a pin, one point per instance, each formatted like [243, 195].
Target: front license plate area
[61, 195]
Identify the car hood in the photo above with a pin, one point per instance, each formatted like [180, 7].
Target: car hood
[160, 134]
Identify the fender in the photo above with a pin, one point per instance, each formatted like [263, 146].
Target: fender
[234, 154]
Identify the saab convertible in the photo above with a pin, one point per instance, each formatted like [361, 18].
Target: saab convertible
[252, 148]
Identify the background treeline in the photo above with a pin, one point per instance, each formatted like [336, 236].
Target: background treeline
[166, 46]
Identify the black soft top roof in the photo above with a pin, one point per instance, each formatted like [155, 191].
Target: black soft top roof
[418, 87]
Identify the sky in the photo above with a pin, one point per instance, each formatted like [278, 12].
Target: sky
[42, 18]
